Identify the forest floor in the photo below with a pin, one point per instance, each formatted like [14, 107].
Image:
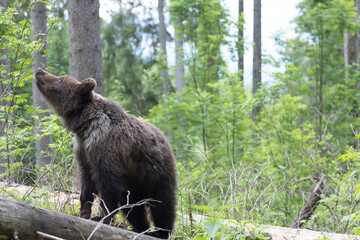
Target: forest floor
[61, 200]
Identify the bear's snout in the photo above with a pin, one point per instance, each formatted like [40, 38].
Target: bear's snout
[38, 76]
[39, 71]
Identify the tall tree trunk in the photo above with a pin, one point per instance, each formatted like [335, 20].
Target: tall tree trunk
[241, 40]
[320, 75]
[39, 21]
[257, 53]
[179, 59]
[162, 39]
[351, 55]
[85, 42]
[352, 43]
[85, 46]
[5, 90]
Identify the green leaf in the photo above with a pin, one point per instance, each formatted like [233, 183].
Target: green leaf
[212, 227]
[23, 22]
[45, 2]
[260, 236]
[202, 208]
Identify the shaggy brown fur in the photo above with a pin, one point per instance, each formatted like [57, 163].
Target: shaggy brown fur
[118, 154]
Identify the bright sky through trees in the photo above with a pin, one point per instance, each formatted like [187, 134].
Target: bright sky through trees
[276, 18]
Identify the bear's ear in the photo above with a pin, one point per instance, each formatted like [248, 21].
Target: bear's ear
[87, 85]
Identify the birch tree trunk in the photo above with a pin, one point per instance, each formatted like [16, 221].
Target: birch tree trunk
[85, 42]
[179, 59]
[39, 22]
[257, 53]
[162, 39]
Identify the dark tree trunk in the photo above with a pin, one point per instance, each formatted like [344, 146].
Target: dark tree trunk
[85, 45]
[310, 206]
[352, 44]
[351, 54]
[257, 53]
[85, 42]
[38, 33]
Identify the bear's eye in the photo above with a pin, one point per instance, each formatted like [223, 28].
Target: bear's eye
[59, 79]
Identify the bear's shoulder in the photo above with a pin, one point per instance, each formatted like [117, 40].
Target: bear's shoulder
[100, 114]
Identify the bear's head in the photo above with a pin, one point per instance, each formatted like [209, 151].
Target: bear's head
[65, 94]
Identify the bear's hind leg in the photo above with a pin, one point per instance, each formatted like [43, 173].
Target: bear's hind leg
[137, 218]
[164, 216]
[108, 205]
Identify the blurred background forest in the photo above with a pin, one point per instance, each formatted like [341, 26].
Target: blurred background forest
[256, 153]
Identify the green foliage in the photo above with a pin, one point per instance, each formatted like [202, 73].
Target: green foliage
[127, 78]
[253, 170]
[205, 26]
[17, 52]
[16, 116]
[314, 70]
[264, 169]
[58, 45]
[58, 38]
[315, 65]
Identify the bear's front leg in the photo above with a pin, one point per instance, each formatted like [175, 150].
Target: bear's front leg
[88, 187]
[88, 190]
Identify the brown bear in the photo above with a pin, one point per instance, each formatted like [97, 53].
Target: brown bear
[122, 158]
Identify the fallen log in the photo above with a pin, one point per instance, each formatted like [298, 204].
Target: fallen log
[279, 233]
[19, 220]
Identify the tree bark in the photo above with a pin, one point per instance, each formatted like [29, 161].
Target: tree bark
[351, 55]
[85, 42]
[241, 40]
[85, 46]
[162, 39]
[38, 33]
[179, 58]
[257, 53]
[352, 43]
[27, 221]
[310, 205]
